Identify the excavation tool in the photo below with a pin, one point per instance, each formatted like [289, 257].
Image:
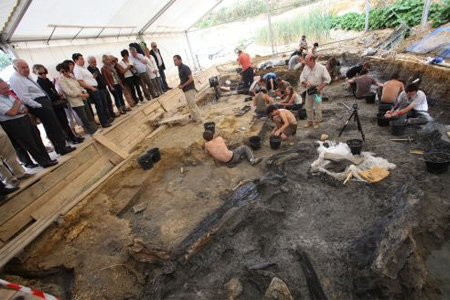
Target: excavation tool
[408, 139]
[355, 117]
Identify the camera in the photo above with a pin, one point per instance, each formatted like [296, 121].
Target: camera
[214, 81]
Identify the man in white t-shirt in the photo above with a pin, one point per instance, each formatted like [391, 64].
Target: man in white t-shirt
[88, 82]
[412, 103]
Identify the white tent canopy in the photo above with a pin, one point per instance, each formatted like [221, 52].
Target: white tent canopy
[43, 20]
[49, 31]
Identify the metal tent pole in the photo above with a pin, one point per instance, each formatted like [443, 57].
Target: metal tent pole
[366, 28]
[269, 20]
[426, 8]
[190, 50]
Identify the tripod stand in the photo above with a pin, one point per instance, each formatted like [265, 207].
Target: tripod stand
[354, 115]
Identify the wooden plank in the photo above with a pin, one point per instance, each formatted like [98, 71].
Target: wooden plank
[24, 218]
[74, 187]
[156, 132]
[22, 240]
[111, 146]
[27, 196]
[153, 106]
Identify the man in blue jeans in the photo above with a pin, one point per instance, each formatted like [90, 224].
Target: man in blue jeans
[87, 81]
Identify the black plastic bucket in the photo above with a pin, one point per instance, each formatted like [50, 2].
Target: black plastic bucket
[211, 126]
[255, 142]
[275, 142]
[301, 114]
[382, 120]
[370, 99]
[145, 161]
[399, 127]
[355, 146]
[384, 107]
[154, 154]
[437, 162]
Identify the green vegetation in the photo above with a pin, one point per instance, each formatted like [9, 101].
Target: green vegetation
[246, 8]
[315, 25]
[407, 11]
[5, 60]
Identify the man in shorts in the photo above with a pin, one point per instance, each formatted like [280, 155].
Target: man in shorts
[285, 122]
[217, 148]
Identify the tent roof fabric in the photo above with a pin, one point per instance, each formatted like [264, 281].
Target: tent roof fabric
[102, 18]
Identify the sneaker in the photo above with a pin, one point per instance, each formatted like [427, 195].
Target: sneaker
[317, 125]
[31, 165]
[309, 124]
[13, 183]
[256, 161]
[139, 104]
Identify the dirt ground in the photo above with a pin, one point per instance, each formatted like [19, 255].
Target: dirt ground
[192, 228]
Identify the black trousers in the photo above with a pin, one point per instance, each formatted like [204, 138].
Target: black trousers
[24, 135]
[247, 77]
[51, 124]
[107, 99]
[133, 83]
[62, 118]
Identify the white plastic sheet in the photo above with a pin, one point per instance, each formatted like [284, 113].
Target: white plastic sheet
[342, 150]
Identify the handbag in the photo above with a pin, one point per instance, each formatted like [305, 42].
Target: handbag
[311, 91]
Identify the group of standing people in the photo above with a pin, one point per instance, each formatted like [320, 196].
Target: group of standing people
[66, 101]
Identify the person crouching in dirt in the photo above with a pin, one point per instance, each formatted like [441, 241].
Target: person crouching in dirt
[389, 92]
[363, 84]
[291, 100]
[334, 68]
[271, 82]
[412, 103]
[217, 148]
[355, 71]
[257, 85]
[285, 122]
[261, 101]
[282, 85]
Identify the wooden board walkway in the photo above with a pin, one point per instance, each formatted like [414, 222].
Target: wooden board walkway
[53, 192]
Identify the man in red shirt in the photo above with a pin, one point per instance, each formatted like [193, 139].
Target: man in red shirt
[247, 70]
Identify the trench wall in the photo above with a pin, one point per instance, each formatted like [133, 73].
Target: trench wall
[51, 193]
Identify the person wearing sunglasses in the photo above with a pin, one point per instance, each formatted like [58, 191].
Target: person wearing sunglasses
[161, 66]
[59, 104]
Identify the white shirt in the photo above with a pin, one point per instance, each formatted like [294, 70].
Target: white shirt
[419, 101]
[158, 57]
[6, 103]
[138, 64]
[293, 61]
[82, 73]
[318, 75]
[151, 64]
[26, 89]
[124, 65]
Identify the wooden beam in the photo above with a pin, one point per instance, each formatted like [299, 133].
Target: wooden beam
[111, 146]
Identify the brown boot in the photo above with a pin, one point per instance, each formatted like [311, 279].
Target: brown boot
[317, 125]
[309, 124]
